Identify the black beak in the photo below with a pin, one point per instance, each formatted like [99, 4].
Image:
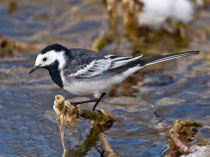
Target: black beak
[33, 69]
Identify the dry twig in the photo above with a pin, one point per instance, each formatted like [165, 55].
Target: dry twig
[180, 133]
[107, 147]
[66, 113]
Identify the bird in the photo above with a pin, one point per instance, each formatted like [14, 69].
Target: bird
[84, 72]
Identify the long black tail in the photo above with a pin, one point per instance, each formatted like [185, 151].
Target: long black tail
[158, 59]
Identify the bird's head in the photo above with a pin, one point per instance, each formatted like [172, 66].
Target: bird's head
[51, 55]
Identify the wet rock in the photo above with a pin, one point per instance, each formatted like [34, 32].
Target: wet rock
[1, 105]
[10, 47]
[128, 101]
[170, 101]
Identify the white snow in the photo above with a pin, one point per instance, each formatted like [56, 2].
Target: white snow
[182, 10]
[199, 151]
[156, 12]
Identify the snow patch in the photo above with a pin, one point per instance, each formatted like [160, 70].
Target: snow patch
[156, 12]
[199, 151]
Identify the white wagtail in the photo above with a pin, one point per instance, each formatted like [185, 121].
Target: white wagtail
[85, 72]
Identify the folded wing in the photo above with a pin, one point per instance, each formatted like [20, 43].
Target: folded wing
[99, 66]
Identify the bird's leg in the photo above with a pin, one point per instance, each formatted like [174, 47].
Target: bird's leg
[98, 100]
[82, 102]
[86, 101]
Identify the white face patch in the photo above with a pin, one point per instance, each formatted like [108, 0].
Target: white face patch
[49, 58]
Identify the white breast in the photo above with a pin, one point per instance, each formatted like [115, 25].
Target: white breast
[84, 86]
[95, 86]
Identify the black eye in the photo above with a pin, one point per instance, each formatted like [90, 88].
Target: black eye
[44, 59]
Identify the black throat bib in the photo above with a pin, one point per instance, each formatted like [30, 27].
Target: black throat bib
[55, 73]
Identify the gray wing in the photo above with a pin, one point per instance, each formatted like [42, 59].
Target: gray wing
[89, 65]
[78, 59]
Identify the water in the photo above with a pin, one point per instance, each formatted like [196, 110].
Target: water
[147, 102]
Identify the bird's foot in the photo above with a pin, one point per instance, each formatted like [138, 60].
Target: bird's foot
[77, 111]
